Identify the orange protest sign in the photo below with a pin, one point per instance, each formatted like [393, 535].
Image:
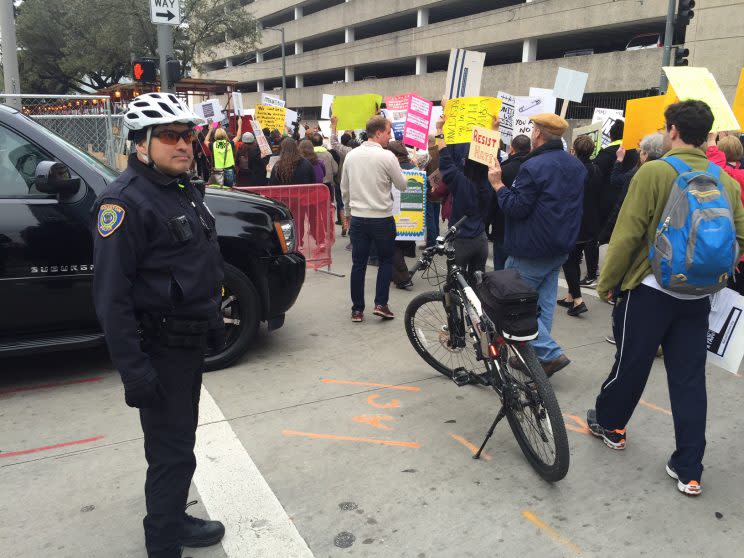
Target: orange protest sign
[738, 106]
[645, 116]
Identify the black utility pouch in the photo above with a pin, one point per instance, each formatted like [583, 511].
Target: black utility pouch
[180, 228]
[510, 303]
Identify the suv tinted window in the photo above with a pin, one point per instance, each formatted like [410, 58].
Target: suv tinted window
[18, 160]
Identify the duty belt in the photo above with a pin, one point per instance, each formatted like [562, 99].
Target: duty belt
[175, 332]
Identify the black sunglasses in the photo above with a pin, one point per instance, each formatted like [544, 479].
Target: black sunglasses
[171, 137]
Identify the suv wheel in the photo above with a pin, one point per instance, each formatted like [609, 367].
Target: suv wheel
[240, 311]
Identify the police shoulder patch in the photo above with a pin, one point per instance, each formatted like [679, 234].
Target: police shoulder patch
[110, 218]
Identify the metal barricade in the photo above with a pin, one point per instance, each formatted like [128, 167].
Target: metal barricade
[314, 216]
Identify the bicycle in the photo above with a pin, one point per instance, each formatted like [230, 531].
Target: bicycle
[449, 329]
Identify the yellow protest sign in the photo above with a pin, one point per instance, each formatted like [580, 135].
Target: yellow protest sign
[353, 111]
[645, 116]
[699, 84]
[484, 146]
[738, 106]
[465, 113]
[271, 117]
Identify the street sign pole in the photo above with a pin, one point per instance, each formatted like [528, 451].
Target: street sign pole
[166, 14]
[10, 53]
[165, 49]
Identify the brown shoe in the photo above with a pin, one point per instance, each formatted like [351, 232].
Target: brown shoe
[383, 311]
[357, 316]
[553, 366]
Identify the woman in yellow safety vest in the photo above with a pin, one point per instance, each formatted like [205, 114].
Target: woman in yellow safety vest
[223, 156]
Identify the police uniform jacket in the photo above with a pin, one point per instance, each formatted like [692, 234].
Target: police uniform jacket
[156, 253]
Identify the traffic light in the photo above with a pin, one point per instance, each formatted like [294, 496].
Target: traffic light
[680, 56]
[174, 71]
[144, 70]
[685, 13]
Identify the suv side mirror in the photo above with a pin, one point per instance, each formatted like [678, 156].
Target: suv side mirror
[54, 178]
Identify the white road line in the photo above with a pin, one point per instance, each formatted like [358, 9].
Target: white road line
[233, 491]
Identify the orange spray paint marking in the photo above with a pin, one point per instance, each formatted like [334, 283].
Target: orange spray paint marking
[315, 436]
[374, 420]
[655, 407]
[388, 386]
[549, 531]
[470, 446]
[372, 400]
[582, 427]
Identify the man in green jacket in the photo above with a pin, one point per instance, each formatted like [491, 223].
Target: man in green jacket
[646, 315]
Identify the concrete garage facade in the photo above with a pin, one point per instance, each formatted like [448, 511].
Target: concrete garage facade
[394, 46]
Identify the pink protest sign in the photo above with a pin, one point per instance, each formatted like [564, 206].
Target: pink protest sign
[399, 102]
[416, 132]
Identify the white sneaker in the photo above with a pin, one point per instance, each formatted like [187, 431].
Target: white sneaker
[691, 488]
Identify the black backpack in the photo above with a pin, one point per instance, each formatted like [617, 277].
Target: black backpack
[510, 303]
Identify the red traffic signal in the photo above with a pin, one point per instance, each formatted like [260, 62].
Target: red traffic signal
[144, 70]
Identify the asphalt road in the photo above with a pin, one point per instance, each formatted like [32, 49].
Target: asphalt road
[332, 439]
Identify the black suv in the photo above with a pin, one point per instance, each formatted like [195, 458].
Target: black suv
[46, 248]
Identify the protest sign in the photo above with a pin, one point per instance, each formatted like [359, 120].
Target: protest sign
[464, 73]
[325, 109]
[436, 112]
[237, 100]
[644, 116]
[395, 111]
[211, 110]
[416, 131]
[699, 84]
[549, 99]
[325, 128]
[506, 116]
[607, 117]
[271, 101]
[353, 111]
[465, 113]
[484, 147]
[398, 102]
[522, 126]
[409, 207]
[290, 118]
[570, 85]
[271, 117]
[726, 330]
[263, 144]
[594, 131]
[738, 106]
[529, 106]
[270, 165]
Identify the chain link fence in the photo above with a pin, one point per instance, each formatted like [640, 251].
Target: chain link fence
[85, 121]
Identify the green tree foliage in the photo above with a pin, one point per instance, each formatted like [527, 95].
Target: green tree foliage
[77, 45]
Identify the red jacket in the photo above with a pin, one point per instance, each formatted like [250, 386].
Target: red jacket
[717, 157]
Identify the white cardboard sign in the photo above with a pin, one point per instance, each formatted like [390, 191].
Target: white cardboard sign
[464, 73]
[506, 116]
[237, 100]
[607, 117]
[726, 330]
[211, 110]
[271, 101]
[325, 110]
[547, 94]
[570, 84]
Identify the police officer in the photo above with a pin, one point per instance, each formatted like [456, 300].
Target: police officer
[157, 292]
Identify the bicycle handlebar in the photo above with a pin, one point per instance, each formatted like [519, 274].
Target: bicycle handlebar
[451, 232]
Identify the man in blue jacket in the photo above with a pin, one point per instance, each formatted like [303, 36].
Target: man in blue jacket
[543, 215]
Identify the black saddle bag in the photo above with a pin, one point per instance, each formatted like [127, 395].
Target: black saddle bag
[510, 303]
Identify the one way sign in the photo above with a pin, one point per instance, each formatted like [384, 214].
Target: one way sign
[165, 11]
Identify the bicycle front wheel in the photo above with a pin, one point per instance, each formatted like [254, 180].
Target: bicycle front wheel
[428, 331]
[534, 415]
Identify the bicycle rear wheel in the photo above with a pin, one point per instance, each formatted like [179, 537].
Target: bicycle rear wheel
[534, 415]
[428, 331]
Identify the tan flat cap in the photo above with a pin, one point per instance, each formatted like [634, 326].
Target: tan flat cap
[552, 123]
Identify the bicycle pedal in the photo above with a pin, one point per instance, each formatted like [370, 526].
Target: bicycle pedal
[461, 377]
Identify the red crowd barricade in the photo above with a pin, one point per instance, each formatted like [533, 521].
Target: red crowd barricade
[314, 214]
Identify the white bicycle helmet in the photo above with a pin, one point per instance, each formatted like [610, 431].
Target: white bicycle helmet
[152, 109]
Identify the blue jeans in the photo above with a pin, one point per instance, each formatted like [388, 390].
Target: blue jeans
[365, 233]
[542, 275]
[432, 222]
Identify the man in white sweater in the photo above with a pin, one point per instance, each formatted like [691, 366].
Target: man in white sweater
[369, 174]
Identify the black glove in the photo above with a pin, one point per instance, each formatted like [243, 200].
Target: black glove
[144, 395]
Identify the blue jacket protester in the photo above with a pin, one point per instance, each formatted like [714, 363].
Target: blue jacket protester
[468, 198]
[543, 208]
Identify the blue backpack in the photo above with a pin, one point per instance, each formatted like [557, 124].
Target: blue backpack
[695, 249]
